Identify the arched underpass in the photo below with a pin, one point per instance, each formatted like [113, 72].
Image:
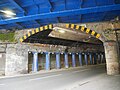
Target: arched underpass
[79, 37]
[39, 44]
[60, 38]
[64, 58]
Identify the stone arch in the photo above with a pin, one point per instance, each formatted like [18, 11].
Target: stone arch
[68, 26]
[83, 29]
[36, 30]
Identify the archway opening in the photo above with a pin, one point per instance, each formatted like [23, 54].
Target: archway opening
[79, 43]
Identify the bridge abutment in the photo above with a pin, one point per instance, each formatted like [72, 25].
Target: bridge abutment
[112, 60]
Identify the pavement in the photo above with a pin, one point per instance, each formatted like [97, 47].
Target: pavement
[86, 78]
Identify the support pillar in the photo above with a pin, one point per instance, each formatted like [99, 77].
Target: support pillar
[66, 60]
[47, 64]
[95, 58]
[86, 59]
[35, 62]
[104, 59]
[91, 59]
[58, 60]
[80, 59]
[99, 58]
[73, 60]
[112, 59]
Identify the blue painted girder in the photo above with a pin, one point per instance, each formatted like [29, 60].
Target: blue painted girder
[16, 5]
[80, 11]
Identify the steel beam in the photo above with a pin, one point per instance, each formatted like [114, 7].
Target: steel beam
[80, 59]
[73, 60]
[47, 66]
[63, 13]
[58, 60]
[35, 62]
[17, 5]
[86, 58]
[66, 60]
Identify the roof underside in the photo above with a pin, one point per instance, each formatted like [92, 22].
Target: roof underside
[36, 13]
[44, 38]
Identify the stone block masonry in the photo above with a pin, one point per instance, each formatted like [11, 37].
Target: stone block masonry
[112, 59]
[16, 59]
[2, 58]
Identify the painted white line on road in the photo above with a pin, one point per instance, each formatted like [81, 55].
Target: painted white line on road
[81, 71]
[2, 84]
[45, 77]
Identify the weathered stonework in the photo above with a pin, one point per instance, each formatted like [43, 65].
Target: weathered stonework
[2, 58]
[112, 59]
[17, 54]
[16, 59]
[103, 28]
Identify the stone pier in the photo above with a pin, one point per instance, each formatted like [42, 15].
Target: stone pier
[112, 59]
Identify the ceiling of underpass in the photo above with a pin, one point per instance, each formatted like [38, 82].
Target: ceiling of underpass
[21, 14]
[24, 14]
[66, 38]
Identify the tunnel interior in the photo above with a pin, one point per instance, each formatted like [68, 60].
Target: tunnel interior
[45, 37]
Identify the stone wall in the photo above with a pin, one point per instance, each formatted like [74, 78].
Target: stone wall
[2, 58]
[17, 55]
[112, 58]
[16, 59]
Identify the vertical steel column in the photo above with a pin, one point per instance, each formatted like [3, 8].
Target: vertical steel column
[86, 59]
[102, 58]
[35, 62]
[95, 58]
[66, 60]
[73, 60]
[80, 59]
[58, 60]
[99, 58]
[47, 66]
[91, 58]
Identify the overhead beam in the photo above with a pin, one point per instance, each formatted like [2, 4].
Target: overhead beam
[20, 25]
[63, 13]
[51, 7]
[17, 5]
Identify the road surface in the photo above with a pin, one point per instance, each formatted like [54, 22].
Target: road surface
[87, 78]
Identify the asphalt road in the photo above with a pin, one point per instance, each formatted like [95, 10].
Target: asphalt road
[71, 79]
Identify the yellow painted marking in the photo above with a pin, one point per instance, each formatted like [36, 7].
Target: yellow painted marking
[33, 32]
[21, 40]
[50, 26]
[72, 26]
[82, 29]
[41, 28]
[77, 27]
[67, 25]
[25, 37]
[93, 32]
[28, 34]
[46, 27]
[88, 30]
[37, 30]
[98, 35]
